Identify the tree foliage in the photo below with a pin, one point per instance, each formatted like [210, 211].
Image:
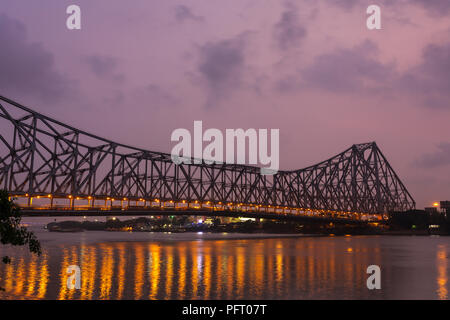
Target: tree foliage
[11, 231]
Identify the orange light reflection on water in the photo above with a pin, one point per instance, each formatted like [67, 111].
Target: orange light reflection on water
[232, 269]
[442, 277]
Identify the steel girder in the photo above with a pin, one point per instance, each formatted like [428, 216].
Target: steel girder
[39, 155]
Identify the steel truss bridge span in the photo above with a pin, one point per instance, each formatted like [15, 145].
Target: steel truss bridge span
[42, 158]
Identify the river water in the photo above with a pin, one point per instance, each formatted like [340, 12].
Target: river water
[138, 265]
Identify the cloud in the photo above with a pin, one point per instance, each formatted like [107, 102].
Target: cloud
[289, 32]
[358, 70]
[155, 97]
[439, 7]
[345, 4]
[348, 69]
[430, 79]
[440, 158]
[345, 70]
[115, 99]
[435, 7]
[27, 68]
[184, 13]
[221, 67]
[104, 67]
[141, 99]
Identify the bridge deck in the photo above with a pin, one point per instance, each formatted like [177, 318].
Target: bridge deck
[76, 206]
[207, 213]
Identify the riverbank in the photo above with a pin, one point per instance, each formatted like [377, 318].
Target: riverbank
[175, 225]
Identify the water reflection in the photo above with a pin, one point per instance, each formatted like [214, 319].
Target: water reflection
[155, 269]
[442, 267]
[232, 269]
[139, 271]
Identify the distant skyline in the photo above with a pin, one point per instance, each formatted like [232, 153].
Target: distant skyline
[138, 70]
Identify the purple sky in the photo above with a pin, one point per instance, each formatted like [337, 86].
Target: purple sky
[140, 69]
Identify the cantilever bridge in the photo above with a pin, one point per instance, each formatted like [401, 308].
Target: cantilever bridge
[50, 166]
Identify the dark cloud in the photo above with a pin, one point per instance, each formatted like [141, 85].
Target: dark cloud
[154, 97]
[346, 70]
[346, 4]
[27, 68]
[221, 67]
[440, 158]
[116, 99]
[350, 4]
[141, 98]
[430, 79]
[104, 67]
[358, 70]
[289, 31]
[183, 13]
[439, 7]
[289, 83]
[436, 7]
